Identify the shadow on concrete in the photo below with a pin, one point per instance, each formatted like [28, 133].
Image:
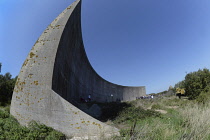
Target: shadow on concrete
[109, 111]
[101, 111]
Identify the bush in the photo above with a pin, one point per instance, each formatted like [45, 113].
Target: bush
[10, 129]
[197, 122]
[132, 113]
[4, 114]
[156, 106]
[196, 82]
[111, 110]
[7, 84]
[124, 132]
[203, 98]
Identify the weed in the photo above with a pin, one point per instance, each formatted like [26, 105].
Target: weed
[11, 129]
[131, 114]
[185, 119]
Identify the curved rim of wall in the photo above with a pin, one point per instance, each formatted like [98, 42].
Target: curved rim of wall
[102, 77]
[68, 51]
[109, 81]
[33, 97]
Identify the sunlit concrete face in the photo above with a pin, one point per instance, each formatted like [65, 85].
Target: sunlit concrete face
[56, 74]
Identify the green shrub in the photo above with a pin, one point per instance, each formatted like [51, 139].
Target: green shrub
[4, 114]
[111, 110]
[10, 129]
[156, 106]
[196, 82]
[55, 135]
[7, 84]
[7, 109]
[124, 132]
[203, 98]
[132, 113]
[42, 131]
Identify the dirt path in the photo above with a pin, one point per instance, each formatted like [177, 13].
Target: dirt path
[173, 107]
[161, 111]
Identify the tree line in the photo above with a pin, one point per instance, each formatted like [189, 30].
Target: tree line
[7, 84]
[196, 85]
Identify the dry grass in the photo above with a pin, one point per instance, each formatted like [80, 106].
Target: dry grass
[197, 121]
[184, 120]
[158, 130]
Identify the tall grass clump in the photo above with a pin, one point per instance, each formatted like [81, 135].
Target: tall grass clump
[197, 122]
[133, 113]
[204, 97]
[167, 127]
[184, 120]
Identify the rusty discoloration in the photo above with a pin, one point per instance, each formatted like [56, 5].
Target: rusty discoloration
[78, 127]
[35, 98]
[25, 63]
[30, 75]
[31, 54]
[36, 83]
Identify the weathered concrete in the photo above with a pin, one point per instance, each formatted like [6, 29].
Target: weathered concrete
[56, 74]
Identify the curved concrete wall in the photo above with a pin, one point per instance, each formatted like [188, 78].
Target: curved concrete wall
[74, 77]
[57, 72]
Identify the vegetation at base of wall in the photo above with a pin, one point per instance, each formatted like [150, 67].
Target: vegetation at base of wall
[156, 106]
[185, 119]
[121, 112]
[10, 129]
[111, 110]
[132, 114]
[159, 118]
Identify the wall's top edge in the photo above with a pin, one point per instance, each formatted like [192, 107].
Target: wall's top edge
[125, 86]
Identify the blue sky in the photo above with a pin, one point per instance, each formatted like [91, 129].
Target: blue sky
[135, 43]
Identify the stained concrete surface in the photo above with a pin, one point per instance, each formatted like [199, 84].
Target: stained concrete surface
[56, 74]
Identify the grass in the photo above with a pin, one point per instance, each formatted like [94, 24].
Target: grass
[184, 120]
[10, 129]
[137, 120]
[197, 121]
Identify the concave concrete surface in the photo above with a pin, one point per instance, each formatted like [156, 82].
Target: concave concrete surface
[56, 74]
